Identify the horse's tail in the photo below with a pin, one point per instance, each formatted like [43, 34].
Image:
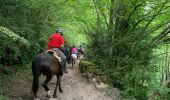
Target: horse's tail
[36, 74]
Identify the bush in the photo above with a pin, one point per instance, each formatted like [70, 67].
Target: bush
[90, 70]
[83, 66]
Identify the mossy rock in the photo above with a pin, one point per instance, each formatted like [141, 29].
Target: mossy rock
[90, 70]
[88, 75]
[93, 70]
[89, 67]
[103, 78]
[84, 65]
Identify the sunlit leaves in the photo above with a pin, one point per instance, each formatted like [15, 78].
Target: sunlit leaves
[7, 33]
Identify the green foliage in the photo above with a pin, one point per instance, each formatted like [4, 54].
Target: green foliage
[124, 49]
[2, 97]
[1, 89]
[9, 85]
[13, 36]
[9, 51]
[122, 37]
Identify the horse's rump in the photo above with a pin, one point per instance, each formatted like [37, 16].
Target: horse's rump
[74, 56]
[47, 64]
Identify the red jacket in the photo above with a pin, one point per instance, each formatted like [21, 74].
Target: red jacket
[55, 41]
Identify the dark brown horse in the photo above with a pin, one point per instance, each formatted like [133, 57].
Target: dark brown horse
[47, 65]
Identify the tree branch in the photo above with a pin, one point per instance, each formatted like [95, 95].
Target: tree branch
[135, 10]
[157, 27]
[165, 32]
[105, 19]
[111, 15]
[154, 16]
[97, 12]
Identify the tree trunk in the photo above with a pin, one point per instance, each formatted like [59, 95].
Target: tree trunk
[111, 16]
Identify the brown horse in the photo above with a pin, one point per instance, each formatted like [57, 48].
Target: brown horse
[80, 53]
[47, 65]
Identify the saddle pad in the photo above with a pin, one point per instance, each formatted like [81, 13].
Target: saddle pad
[54, 54]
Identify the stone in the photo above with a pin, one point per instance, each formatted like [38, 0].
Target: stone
[101, 86]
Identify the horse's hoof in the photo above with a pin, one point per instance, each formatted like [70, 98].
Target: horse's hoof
[66, 72]
[48, 96]
[54, 96]
[61, 91]
[35, 98]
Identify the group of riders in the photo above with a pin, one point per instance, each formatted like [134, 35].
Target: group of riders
[56, 43]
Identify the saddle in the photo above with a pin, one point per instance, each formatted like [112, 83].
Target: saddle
[54, 54]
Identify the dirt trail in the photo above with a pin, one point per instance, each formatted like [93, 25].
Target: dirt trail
[75, 87]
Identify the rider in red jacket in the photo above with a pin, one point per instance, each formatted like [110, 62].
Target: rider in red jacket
[56, 43]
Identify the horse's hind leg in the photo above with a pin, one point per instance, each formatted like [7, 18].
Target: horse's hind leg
[72, 63]
[48, 78]
[60, 89]
[56, 87]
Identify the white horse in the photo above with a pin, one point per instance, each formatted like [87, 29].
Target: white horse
[73, 59]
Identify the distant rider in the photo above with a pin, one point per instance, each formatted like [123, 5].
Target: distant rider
[74, 52]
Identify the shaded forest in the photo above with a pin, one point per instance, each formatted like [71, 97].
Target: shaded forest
[127, 39]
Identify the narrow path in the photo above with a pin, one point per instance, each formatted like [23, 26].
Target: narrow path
[75, 88]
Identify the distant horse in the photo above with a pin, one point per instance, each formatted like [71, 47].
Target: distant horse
[73, 59]
[47, 65]
[68, 55]
[80, 53]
